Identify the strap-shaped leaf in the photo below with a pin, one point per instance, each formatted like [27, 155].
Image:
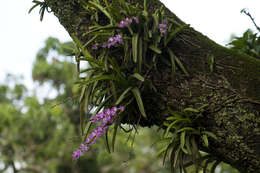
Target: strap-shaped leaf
[139, 101]
[161, 151]
[210, 134]
[138, 76]
[115, 67]
[172, 57]
[172, 125]
[162, 141]
[176, 157]
[183, 142]
[135, 46]
[191, 110]
[100, 29]
[100, 77]
[86, 54]
[205, 140]
[174, 113]
[155, 21]
[155, 49]
[122, 96]
[102, 104]
[188, 129]
[173, 34]
[107, 142]
[125, 6]
[181, 66]
[114, 135]
[140, 54]
[102, 9]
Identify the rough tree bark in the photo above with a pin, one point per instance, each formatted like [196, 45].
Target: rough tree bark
[232, 90]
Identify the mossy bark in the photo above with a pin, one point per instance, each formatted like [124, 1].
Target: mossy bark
[231, 90]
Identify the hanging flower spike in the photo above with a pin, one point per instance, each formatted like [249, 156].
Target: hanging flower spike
[107, 116]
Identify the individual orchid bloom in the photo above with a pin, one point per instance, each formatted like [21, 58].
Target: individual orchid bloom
[77, 154]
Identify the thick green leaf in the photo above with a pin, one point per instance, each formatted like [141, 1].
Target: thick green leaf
[183, 142]
[188, 129]
[172, 57]
[90, 41]
[174, 113]
[114, 135]
[82, 115]
[155, 49]
[100, 77]
[176, 156]
[135, 46]
[102, 9]
[100, 29]
[210, 134]
[205, 140]
[115, 66]
[161, 151]
[87, 55]
[181, 66]
[139, 101]
[82, 95]
[138, 76]
[173, 34]
[122, 96]
[191, 110]
[173, 123]
[35, 5]
[140, 54]
[102, 105]
[162, 141]
[210, 59]
[155, 22]
[107, 142]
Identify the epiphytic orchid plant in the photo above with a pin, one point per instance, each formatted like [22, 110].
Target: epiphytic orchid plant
[120, 53]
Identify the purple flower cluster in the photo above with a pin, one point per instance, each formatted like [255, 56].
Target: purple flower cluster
[112, 41]
[128, 21]
[163, 27]
[106, 118]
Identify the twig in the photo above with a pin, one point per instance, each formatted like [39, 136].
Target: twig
[249, 15]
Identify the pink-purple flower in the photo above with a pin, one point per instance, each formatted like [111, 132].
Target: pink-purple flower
[77, 153]
[106, 118]
[136, 19]
[95, 46]
[112, 41]
[128, 21]
[163, 27]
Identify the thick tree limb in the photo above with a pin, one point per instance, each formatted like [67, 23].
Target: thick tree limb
[231, 90]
